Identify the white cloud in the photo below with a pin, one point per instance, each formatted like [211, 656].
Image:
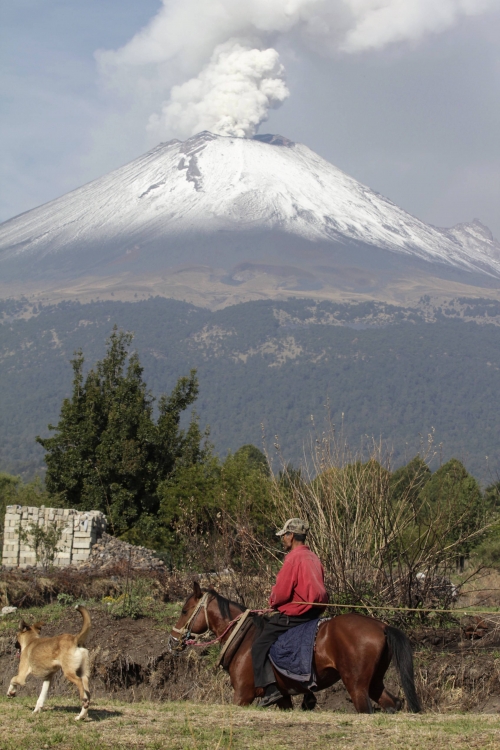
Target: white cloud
[378, 23]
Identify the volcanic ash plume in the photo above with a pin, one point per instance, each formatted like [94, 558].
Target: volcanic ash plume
[232, 95]
[212, 64]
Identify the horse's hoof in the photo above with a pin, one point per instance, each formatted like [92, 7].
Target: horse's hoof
[308, 702]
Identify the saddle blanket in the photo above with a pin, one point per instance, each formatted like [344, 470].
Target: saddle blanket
[292, 654]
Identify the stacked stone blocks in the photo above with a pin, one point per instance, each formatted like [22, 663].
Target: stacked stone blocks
[80, 531]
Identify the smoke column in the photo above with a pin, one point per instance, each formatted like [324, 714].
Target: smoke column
[231, 95]
[212, 64]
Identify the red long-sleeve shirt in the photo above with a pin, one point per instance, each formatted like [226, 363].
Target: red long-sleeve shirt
[301, 579]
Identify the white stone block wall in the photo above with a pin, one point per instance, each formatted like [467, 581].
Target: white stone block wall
[81, 530]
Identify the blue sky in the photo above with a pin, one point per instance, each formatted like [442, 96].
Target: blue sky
[419, 120]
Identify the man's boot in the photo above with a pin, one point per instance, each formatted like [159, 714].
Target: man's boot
[271, 696]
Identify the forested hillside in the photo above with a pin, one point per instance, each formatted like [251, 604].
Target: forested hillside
[272, 366]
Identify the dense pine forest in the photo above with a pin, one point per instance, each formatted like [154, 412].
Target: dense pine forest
[269, 369]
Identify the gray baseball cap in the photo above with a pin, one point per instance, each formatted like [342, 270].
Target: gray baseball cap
[294, 526]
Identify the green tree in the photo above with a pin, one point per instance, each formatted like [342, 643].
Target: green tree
[108, 453]
[453, 500]
[245, 487]
[13, 491]
[489, 550]
[492, 499]
[8, 489]
[202, 492]
[254, 458]
[408, 481]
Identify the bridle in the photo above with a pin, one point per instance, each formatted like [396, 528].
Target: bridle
[186, 638]
[185, 632]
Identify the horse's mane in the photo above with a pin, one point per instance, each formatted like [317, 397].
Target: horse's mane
[224, 604]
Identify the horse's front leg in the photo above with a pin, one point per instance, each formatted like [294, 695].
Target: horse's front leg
[241, 673]
[285, 703]
[243, 695]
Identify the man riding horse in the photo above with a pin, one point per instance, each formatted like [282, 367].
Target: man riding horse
[353, 648]
[301, 579]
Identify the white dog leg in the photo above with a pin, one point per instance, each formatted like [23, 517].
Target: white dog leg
[43, 696]
[12, 691]
[83, 713]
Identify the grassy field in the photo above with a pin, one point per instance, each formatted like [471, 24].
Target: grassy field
[188, 726]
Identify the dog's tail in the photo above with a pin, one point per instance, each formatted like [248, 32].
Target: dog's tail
[83, 634]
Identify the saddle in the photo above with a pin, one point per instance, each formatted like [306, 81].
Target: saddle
[244, 624]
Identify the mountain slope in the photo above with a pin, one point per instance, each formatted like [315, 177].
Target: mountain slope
[237, 209]
[378, 370]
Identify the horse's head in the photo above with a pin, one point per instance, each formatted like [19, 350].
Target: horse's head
[193, 620]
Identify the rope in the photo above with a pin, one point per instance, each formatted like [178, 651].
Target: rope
[464, 613]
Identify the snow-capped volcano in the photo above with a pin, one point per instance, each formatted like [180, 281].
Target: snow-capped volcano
[232, 205]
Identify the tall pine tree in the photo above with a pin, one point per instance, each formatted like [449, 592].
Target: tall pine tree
[108, 453]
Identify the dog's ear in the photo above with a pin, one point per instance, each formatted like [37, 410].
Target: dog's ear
[38, 626]
[197, 590]
[23, 626]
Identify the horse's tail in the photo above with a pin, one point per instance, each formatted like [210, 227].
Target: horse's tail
[401, 649]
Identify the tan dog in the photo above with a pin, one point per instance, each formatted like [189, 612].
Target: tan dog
[44, 657]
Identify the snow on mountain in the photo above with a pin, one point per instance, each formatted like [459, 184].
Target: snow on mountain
[474, 236]
[211, 185]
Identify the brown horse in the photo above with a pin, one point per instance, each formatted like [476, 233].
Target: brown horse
[352, 648]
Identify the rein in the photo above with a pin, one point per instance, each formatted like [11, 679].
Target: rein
[219, 637]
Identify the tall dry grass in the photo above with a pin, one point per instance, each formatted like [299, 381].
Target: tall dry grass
[381, 541]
